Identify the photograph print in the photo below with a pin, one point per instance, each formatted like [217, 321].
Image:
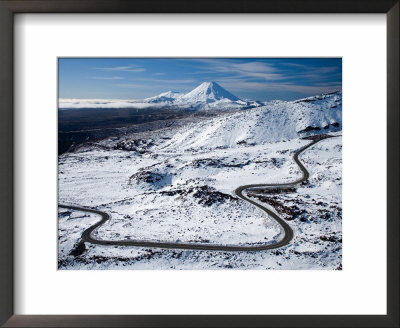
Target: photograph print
[199, 163]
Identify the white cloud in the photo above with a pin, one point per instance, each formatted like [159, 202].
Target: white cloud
[129, 85]
[175, 81]
[237, 85]
[259, 70]
[107, 77]
[131, 68]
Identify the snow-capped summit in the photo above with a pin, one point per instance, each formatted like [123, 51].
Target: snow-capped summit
[207, 96]
[210, 96]
[208, 92]
[168, 96]
[200, 98]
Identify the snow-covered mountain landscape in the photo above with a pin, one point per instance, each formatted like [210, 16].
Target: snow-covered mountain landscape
[177, 183]
[207, 96]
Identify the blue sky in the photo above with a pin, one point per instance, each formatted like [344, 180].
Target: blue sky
[247, 78]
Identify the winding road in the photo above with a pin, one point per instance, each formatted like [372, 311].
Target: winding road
[87, 234]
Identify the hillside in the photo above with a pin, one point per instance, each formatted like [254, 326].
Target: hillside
[275, 121]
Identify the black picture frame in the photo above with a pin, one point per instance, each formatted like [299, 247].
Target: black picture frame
[10, 7]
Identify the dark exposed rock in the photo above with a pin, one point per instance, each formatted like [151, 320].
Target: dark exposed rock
[137, 145]
[208, 196]
[210, 162]
[317, 137]
[315, 98]
[305, 101]
[216, 163]
[79, 249]
[332, 239]
[287, 212]
[177, 192]
[146, 176]
[310, 128]
[278, 162]
[148, 254]
[270, 190]
[155, 178]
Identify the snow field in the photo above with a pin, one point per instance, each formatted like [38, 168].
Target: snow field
[180, 188]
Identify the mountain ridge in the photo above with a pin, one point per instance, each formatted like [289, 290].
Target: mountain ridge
[206, 96]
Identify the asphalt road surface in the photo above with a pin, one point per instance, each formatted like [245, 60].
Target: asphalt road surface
[87, 234]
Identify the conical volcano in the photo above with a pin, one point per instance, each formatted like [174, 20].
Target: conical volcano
[208, 92]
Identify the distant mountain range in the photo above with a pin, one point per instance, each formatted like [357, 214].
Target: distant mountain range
[250, 121]
[207, 96]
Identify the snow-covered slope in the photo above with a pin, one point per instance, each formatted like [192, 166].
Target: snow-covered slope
[177, 184]
[167, 97]
[276, 121]
[184, 195]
